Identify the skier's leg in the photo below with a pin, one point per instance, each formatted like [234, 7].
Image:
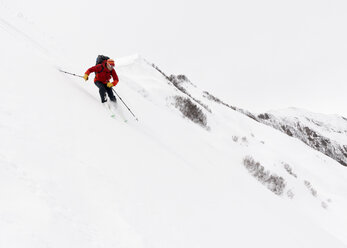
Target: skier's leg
[102, 91]
[111, 95]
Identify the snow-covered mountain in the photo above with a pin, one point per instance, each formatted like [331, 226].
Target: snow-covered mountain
[192, 172]
[327, 134]
[324, 133]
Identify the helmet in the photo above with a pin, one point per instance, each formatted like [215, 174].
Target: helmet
[110, 62]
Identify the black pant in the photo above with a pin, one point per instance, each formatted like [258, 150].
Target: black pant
[103, 89]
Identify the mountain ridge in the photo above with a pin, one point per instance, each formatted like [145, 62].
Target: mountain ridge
[289, 123]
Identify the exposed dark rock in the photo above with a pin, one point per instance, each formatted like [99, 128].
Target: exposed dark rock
[217, 100]
[157, 68]
[286, 129]
[264, 116]
[275, 183]
[190, 110]
[178, 82]
[297, 130]
[310, 137]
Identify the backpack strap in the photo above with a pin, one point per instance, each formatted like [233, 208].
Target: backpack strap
[102, 68]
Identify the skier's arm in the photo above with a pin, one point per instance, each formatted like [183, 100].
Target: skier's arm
[115, 77]
[93, 69]
[90, 70]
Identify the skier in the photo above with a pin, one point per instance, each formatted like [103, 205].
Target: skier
[103, 73]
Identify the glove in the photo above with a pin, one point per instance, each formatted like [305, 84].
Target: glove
[109, 84]
[85, 77]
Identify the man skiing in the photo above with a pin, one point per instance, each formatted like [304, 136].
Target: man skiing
[103, 73]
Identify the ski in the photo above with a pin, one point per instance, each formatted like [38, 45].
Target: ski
[112, 107]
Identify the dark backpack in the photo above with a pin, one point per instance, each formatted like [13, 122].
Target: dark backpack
[100, 59]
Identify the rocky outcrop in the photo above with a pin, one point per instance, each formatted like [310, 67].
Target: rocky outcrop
[318, 134]
[310, 136]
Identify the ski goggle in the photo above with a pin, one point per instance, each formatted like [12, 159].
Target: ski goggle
[110, 62]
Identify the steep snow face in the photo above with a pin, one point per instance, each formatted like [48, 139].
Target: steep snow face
[282, 170]
[190, 173]
[327, 134]
[324, 133]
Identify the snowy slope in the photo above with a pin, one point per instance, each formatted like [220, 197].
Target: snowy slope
[325, 133]
[71, 176]
[334, 126]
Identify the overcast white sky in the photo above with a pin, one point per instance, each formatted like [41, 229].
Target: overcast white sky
[258, 55]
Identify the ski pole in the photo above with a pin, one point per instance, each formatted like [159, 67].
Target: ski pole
[70, 73]
[124, 104]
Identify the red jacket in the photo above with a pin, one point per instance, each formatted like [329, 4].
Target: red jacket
[102, 74]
